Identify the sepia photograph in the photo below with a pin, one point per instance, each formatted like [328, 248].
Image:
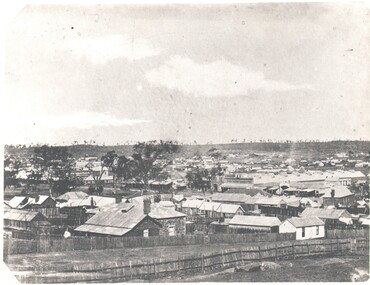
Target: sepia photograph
[186, 142]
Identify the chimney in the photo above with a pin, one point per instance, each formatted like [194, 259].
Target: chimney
[118, 199]
[147, 206]
[37, 198]
[333, 196]
[92, 202]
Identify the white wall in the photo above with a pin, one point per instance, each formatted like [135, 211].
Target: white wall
[310, 232]
[287, 227]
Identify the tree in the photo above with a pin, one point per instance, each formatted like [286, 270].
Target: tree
[144, 156]
[107, 162]
[56, 163]
[11, 169]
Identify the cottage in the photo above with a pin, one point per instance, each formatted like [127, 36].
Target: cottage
[26, 202]
[178, 200]
[332, 217]
[173, 222]
[337, 195]
[209, 209]
[75, 209]
[23, 220]
[124, 219]
[304, 227]
[254, 223]
[229, 210]
[71, 196]
[278, 206]
[191, 206]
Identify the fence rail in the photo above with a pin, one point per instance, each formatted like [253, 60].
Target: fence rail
[126, 270]
[46, 244]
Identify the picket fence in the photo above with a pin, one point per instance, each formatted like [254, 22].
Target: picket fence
[128, 270]
[46, 244]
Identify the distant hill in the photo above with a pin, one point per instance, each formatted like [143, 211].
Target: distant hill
[308, 150]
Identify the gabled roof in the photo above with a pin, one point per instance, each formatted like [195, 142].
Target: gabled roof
[209, 206]
[22, 215]
[16, 201]
[166, 203]
[178, 198]
[22, 201]
[230, 197]
[273, 200]
[72, 195]
[114, 222]
[261, 221]
[305, 222]
[159, 212]
[98, 201]
[229, 208]
[340, 192]
[324, 213]
[192, 203]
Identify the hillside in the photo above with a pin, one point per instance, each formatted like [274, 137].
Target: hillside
[310, 150]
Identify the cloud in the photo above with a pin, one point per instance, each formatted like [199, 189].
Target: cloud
[219, 78]
[100, 50]
[80, 120]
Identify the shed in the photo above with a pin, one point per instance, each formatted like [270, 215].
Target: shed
[304, 227]
[240, 223]
[173, 222]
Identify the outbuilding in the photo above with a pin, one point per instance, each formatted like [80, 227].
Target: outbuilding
[240, 224]
[305, 228]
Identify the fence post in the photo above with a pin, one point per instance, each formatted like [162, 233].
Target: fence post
[155, 271]
[308, 249]
[178, 264]
[130, 269]
[202, 262]
[259, 253]
[276, 251]
[222, 255]
[6, 249]
[331, 245]
[241, 256]
[337, 244]
[293, 249]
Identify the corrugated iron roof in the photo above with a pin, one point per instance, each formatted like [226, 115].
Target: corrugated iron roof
[230, 197]
[340, 192]
[324, 213]
[21, 215]
[72, 195]
[192, 203]
[305, 222]
[261, 221]
[115, 221]
[229, 208]
[209, 206]
[160, 213]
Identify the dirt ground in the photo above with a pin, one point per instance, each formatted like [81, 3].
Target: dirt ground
[22, 262]
[334, 269]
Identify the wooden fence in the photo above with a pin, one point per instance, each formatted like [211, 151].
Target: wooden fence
[126, 270]
[47, 244]
[347, 233]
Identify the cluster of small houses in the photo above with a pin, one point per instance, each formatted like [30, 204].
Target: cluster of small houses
[173, 215]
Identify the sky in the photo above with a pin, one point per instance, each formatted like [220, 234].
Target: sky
[205, 73]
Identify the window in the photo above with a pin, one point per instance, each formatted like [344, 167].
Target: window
[317, 230]
[146, 233]
[303, 232]
[171, 230]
